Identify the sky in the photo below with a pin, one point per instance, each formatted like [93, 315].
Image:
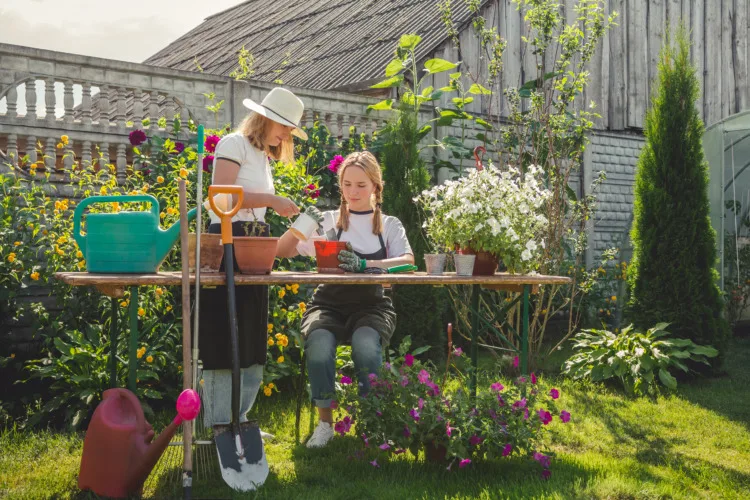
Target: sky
[127, 31]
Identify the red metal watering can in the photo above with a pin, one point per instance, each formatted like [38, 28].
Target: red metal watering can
[118, 452]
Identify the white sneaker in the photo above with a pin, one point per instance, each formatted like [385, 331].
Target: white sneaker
[322, 434]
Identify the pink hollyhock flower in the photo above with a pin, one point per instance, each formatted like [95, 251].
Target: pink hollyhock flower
[458, 352]
[546, 473]
[137, 137]
[407, 432]
[515, 362]
[385, 446]
[211, 142]
[423, 376]
[545, 416]
[497, 387]
[420, 403]
[414, 414]
[463, 463]
[565, 416]
[374, 463]
[533, 378]
[335, 164]
[554, 393]
[346, 380]
[475, 440]
[408, 360]
[507, 449]
[208, 163]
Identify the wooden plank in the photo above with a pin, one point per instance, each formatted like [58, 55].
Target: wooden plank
[713, 58]
[741, 84]
[571, 19]
[593, 91]
[637, 71]
[512, 288]
[698, 50]
[528, 59]
[114, 291]
[686, 14]
[174, 278]
[655, 27]
[618, 80]
[512, 56]
[727, 97]
[604, 72]
[673, 15]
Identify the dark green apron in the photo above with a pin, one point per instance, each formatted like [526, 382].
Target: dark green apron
[341, 309]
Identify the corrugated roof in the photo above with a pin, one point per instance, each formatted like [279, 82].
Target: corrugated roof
[319, 44]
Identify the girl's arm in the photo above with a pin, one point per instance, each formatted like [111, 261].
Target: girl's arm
[226, 173]
[287, 246]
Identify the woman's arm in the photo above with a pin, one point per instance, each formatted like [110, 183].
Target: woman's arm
[226, 173]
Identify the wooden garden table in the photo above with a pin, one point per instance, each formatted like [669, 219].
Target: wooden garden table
[114, 285]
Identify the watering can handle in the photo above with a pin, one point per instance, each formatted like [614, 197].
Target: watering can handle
[80, 239]
[477, 158]
[226, 217]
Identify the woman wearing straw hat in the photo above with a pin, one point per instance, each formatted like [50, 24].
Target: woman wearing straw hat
[242, 158]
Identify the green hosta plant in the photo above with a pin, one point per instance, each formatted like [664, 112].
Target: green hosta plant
[640, 360]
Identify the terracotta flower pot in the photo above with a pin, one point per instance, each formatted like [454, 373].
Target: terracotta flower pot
[435, 453]
[327, 256]
[485, 264]
[255, 255]
[212, 251]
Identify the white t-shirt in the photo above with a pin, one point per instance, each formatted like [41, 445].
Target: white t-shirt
[361, 237]
[254, 175]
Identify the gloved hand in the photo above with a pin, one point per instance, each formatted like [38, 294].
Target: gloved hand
[316, 215]
[350, 262]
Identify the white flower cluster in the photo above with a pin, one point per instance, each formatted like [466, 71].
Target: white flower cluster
[501, 212]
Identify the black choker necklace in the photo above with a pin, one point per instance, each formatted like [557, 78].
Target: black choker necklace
[361, 213]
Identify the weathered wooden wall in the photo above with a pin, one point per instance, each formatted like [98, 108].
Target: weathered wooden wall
[624, 69]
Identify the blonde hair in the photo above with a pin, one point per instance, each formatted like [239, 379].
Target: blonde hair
[255, 127]
[367, 162]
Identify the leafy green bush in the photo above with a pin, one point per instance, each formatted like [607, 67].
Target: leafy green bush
[640, 360]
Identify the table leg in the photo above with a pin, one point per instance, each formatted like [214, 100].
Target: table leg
[525, 332]
[133, 345]
[475, 290]
[113, 344]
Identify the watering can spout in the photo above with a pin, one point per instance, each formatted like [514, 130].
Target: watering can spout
[167, 237]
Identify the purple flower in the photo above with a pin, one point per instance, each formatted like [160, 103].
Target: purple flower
[414, 413]
[521, 403]
[420, 403]
[408, 360]
[565, 416]
[545, 416]
[407, 432]
[546, 473]
[404, 381]
[179, 147]
[208, 163]
[423, 376]
[385, 446]
[211, 142]
[543, 460]
[507, 449]
[475, 440]
[497, 387]
[533, 378]
[554, 393]
[434, 389]
[515, 362]
[346, 380]
[458, 352]
[335, 164]
[463, 463]
[374, 463]
[137, 137]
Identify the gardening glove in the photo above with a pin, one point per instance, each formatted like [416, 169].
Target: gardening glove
[313, 212]
[350, 261]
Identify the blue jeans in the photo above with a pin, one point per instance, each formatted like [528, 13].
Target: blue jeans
[320, 353]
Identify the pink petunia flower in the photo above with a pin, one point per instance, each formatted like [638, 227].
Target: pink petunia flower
[334, 405]
[526, 413]
[211, 142]
[137, 137]
[497, 387]
[335, 164]
[554, 393]
[521, 403]
[414, 414]
[475, 440]
[448, 429]
[407, 432]
[208, 163]
[546, 473]
[404, 381]
[409, 360]
[507, 449]
[515, 362]
[374, 463]
[434, 390]
[423, 376]
[458, 352]
[463, 463]
[346, 380]
[565, 416]
[179, 147]
[366, 440]
[343, 425]
[533, 378]
[420, 403]
[385, 446]
[545, 416]
[543, 460]
[312, 191]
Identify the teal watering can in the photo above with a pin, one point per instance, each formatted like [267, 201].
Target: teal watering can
[124, 242]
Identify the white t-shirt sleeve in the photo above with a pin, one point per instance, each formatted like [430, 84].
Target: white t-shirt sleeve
[232, 147]
[396, 242]
[307, 248]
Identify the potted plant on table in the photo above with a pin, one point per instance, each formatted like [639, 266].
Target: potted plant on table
[256, 251]
[491, 213]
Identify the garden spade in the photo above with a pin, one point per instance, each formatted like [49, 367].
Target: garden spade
[239, 446]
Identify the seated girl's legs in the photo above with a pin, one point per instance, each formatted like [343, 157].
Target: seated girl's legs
[320, 357]
[367, 355]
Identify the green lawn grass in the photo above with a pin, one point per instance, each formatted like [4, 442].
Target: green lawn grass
[694, 444]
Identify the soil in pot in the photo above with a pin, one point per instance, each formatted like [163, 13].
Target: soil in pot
[485, 264]
[327, 256]
[212, 251]
[255, 255]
